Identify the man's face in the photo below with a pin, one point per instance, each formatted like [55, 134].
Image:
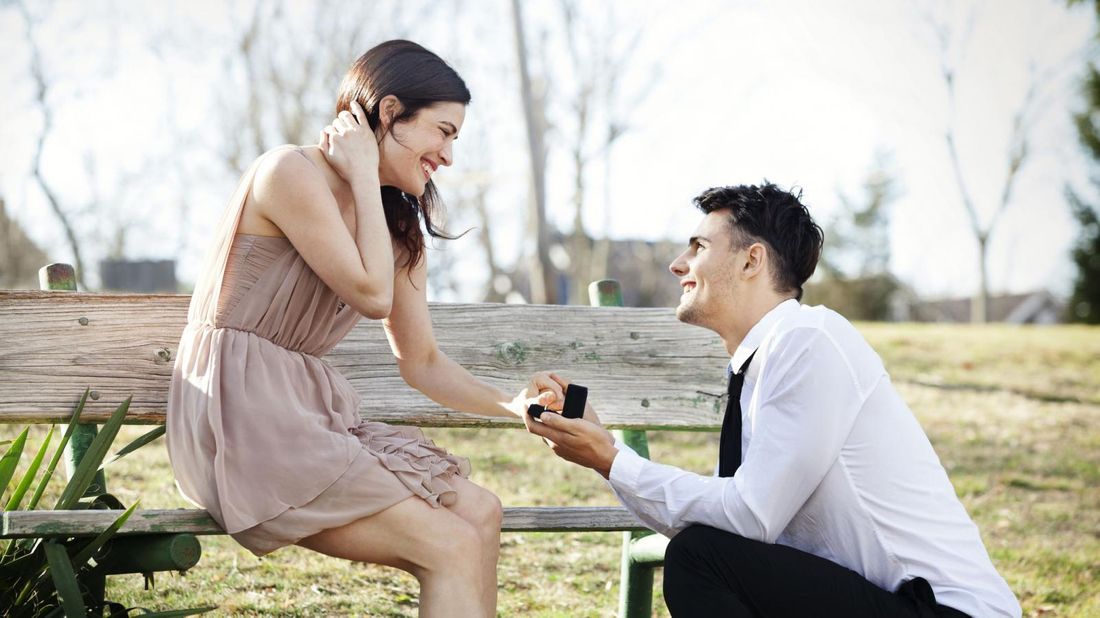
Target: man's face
[707, 271]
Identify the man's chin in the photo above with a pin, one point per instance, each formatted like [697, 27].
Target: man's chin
[686, 314]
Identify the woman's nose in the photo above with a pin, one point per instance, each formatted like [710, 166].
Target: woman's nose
[446, 155]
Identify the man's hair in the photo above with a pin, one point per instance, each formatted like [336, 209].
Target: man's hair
[776, 218]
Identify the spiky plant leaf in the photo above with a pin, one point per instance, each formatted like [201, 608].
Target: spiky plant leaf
[88, 550]
[64, 580]
[48, 474]
[32, 471]
[89, 465]
[135, 445]
[11, 459]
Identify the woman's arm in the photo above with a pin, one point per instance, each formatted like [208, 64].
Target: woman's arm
[289, 192]
[427, 369]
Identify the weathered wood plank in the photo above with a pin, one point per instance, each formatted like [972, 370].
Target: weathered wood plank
[642, 366]
[25, 524]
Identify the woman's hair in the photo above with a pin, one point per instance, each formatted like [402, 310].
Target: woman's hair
[419, 79]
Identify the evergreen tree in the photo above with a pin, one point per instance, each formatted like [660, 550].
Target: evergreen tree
[1084, 304]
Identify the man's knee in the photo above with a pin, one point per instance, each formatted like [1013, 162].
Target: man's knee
[693, 544]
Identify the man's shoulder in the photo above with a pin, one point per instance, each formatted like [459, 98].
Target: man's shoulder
[823, 326]
[815, 318]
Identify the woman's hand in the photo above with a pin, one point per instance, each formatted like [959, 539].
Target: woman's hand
[546, 389]
[350, 146]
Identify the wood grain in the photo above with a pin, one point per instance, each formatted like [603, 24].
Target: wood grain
[27, 524]
[644, 368]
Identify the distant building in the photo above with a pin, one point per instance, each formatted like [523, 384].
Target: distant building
[641, 266]
[1040, 307]
[148, 276]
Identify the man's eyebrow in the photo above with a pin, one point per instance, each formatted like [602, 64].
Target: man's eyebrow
[694, 240]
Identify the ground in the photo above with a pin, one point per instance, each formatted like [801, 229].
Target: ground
[1014, 414]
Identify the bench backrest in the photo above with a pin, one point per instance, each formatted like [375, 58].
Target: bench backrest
[644, 368]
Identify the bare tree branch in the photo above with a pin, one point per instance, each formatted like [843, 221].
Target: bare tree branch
[41, 96]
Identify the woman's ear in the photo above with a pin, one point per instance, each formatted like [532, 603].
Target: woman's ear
[388, 109]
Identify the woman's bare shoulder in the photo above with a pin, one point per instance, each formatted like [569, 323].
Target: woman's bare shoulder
[285, 180]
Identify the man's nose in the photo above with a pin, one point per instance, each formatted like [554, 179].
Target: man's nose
[678, 266]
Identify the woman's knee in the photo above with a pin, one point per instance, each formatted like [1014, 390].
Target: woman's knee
[493, 515]
[449, 545]
[483, 509]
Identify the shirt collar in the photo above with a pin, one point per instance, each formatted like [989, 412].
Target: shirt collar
[758, 332]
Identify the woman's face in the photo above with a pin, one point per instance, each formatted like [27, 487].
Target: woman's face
[411, 152]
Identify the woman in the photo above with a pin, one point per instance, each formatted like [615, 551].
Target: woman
[265, 435]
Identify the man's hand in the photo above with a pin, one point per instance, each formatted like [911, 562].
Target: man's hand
[582, 441]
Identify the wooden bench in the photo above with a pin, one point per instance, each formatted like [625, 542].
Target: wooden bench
[644, 368]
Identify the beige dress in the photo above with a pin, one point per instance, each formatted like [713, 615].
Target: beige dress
[262, 432]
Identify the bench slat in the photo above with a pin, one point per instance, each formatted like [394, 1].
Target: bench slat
[25, 524]
[644, 369]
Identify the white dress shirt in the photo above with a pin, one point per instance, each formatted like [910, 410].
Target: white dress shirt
[834, 464]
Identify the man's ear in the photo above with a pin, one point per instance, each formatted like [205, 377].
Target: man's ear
[756, 260]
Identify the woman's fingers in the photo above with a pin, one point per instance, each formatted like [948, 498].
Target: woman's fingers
[357, 111]
[348, 118]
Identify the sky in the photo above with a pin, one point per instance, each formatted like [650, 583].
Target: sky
[800, 93]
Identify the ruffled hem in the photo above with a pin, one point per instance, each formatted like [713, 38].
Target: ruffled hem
[395, 463]
[415, 460]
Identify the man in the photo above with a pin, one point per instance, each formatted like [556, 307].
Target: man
[828, 498]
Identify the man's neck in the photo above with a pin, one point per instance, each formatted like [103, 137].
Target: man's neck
[746, 317]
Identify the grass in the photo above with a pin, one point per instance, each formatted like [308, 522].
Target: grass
[1014, 414]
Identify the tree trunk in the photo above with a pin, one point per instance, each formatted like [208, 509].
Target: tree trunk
[543, 290]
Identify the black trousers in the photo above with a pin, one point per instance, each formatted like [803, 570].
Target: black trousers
[709, 572]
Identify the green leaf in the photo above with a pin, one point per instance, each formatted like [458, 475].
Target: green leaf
[89, 465]
[11, 459]
[88, 550]
[64, 580]
[135, 445]
[32, 471]
[46, 476]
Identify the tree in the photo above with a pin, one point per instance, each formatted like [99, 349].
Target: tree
[601, 48]
[543, 290]
[42, 100]
[1084, 304]
[855, 274]
[984, 217]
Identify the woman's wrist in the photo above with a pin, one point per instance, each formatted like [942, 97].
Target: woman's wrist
[366, 185]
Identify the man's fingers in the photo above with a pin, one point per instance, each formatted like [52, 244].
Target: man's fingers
[557, 422]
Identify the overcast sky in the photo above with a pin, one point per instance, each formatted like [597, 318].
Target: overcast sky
[799, 92]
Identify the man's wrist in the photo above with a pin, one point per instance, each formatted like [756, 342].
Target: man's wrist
[608, 454]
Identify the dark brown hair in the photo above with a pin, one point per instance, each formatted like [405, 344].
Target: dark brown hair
[419, 79]
[776, 218]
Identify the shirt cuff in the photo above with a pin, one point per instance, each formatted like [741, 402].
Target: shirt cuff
[626, 468]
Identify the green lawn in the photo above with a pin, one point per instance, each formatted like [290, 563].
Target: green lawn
[1013, 412]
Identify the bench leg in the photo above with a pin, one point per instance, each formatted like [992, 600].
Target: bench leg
[636, 583]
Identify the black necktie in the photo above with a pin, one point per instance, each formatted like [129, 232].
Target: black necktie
[729, 444]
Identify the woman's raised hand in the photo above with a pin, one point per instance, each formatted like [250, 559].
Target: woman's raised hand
[350, 146]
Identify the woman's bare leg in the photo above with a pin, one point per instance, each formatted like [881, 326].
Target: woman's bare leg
[430, 543]
[481, 509]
